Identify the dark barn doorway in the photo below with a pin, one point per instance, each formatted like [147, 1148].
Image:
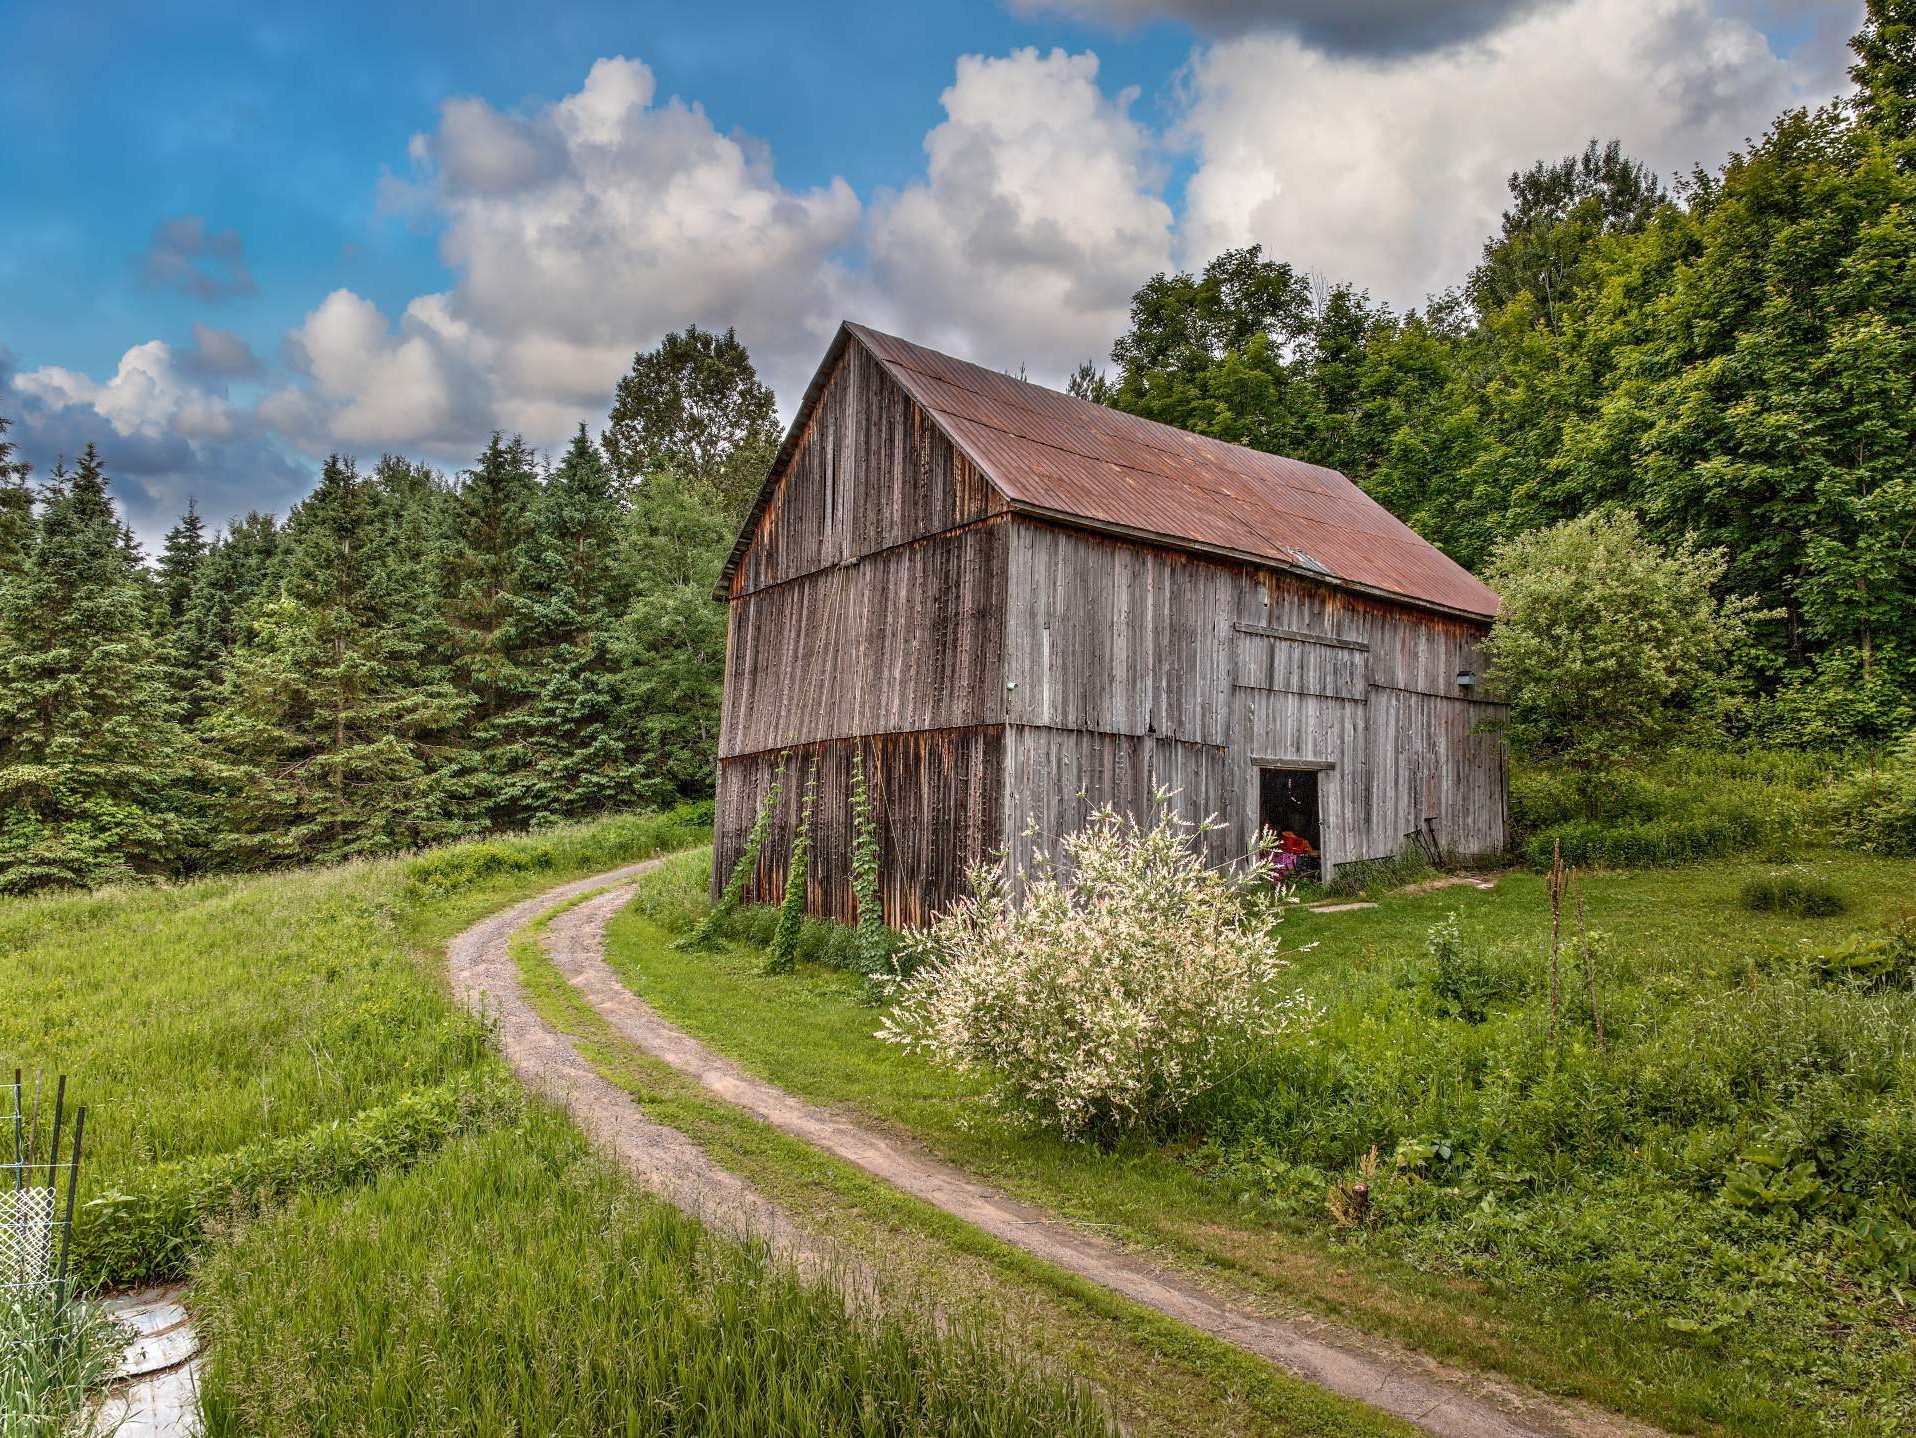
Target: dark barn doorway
[1287, 808]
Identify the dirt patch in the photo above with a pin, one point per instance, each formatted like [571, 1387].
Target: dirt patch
[1485, 882]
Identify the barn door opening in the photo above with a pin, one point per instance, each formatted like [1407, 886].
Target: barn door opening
[1288, 814]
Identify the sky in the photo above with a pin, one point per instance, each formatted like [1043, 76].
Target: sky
[240, 237]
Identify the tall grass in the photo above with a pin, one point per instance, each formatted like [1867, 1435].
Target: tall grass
[514, 1284]
[1684, 807]
[231, 1014]
[49, 1364]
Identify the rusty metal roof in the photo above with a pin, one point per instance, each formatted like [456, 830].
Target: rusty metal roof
[1077, 462]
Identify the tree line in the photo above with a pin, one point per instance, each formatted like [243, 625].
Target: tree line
[1732, 360]
[405, 659]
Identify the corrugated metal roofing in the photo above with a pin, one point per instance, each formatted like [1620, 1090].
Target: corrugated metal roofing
[1079, 462]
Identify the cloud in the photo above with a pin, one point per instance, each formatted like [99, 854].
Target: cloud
[1391, 174]
[164, 437]
[1038, 216]
[1357, 27]
[148, 396]
[209, 265]
[219, 354]
[579, 233]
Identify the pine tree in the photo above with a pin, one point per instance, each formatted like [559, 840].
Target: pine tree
[572, 750]
[489, 523]
[181, 557]
[16, 505]
[90, 754]
[239, 569]
[331, 715]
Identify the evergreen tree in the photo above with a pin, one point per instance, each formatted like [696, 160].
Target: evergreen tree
[239, 568]
[331, 719]
[182, 556]
[695, 406]
[489, 525]
[90, 755]
[573, 749]
[16, 505]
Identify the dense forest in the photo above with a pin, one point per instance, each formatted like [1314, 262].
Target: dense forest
[408, 657]
[405, 659]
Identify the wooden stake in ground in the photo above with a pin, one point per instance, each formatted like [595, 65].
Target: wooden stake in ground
[1589, 962]
[1553, 886]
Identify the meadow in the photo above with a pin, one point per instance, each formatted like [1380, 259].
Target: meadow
[1704, 1219]
[382, 1234]
[514, 1283]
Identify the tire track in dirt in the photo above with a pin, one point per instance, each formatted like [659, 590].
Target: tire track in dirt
[1438, 1398]
[485, 978]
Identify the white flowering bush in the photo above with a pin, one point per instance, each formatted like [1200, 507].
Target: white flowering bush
[1108, 991]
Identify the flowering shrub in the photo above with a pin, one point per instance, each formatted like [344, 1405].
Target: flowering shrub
[1109, 992]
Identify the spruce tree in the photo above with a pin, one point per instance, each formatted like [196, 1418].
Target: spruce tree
[330, 718]
[489, 523]
[572, 749]
[239, 569]
[16, 505]
[90, 754]
[181, 558]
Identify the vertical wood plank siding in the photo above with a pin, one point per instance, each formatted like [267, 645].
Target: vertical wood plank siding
[869, 606]
[937, 805]
[1134, 667]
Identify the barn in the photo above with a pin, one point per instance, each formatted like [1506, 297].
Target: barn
[1017, 605]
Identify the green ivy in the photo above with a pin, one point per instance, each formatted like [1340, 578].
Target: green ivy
[874, 940]
[741, 871]
[791, 913]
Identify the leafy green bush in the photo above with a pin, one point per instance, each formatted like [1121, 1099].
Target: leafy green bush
[1592, 843]
[426, 1303]
[1608, 643]
[1461, 976]
[152, 1229]
[1882, 960]
[1782, 892]
[1876, 808]
[1692, 805]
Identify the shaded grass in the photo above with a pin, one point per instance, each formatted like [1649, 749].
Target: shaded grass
[1609, 1267]
[1161, 1376]
[428, 1303]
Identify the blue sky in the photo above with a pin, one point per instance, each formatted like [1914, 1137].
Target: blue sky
[241, 236]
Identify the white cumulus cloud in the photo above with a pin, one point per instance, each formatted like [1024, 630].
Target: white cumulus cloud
[1391, 174]
[1039, 214]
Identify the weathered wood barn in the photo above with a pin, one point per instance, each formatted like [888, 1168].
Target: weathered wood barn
[1017, 605]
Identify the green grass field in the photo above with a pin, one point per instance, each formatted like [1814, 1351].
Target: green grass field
[383, 1236]
[515, 1284]
[1620, 1225]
